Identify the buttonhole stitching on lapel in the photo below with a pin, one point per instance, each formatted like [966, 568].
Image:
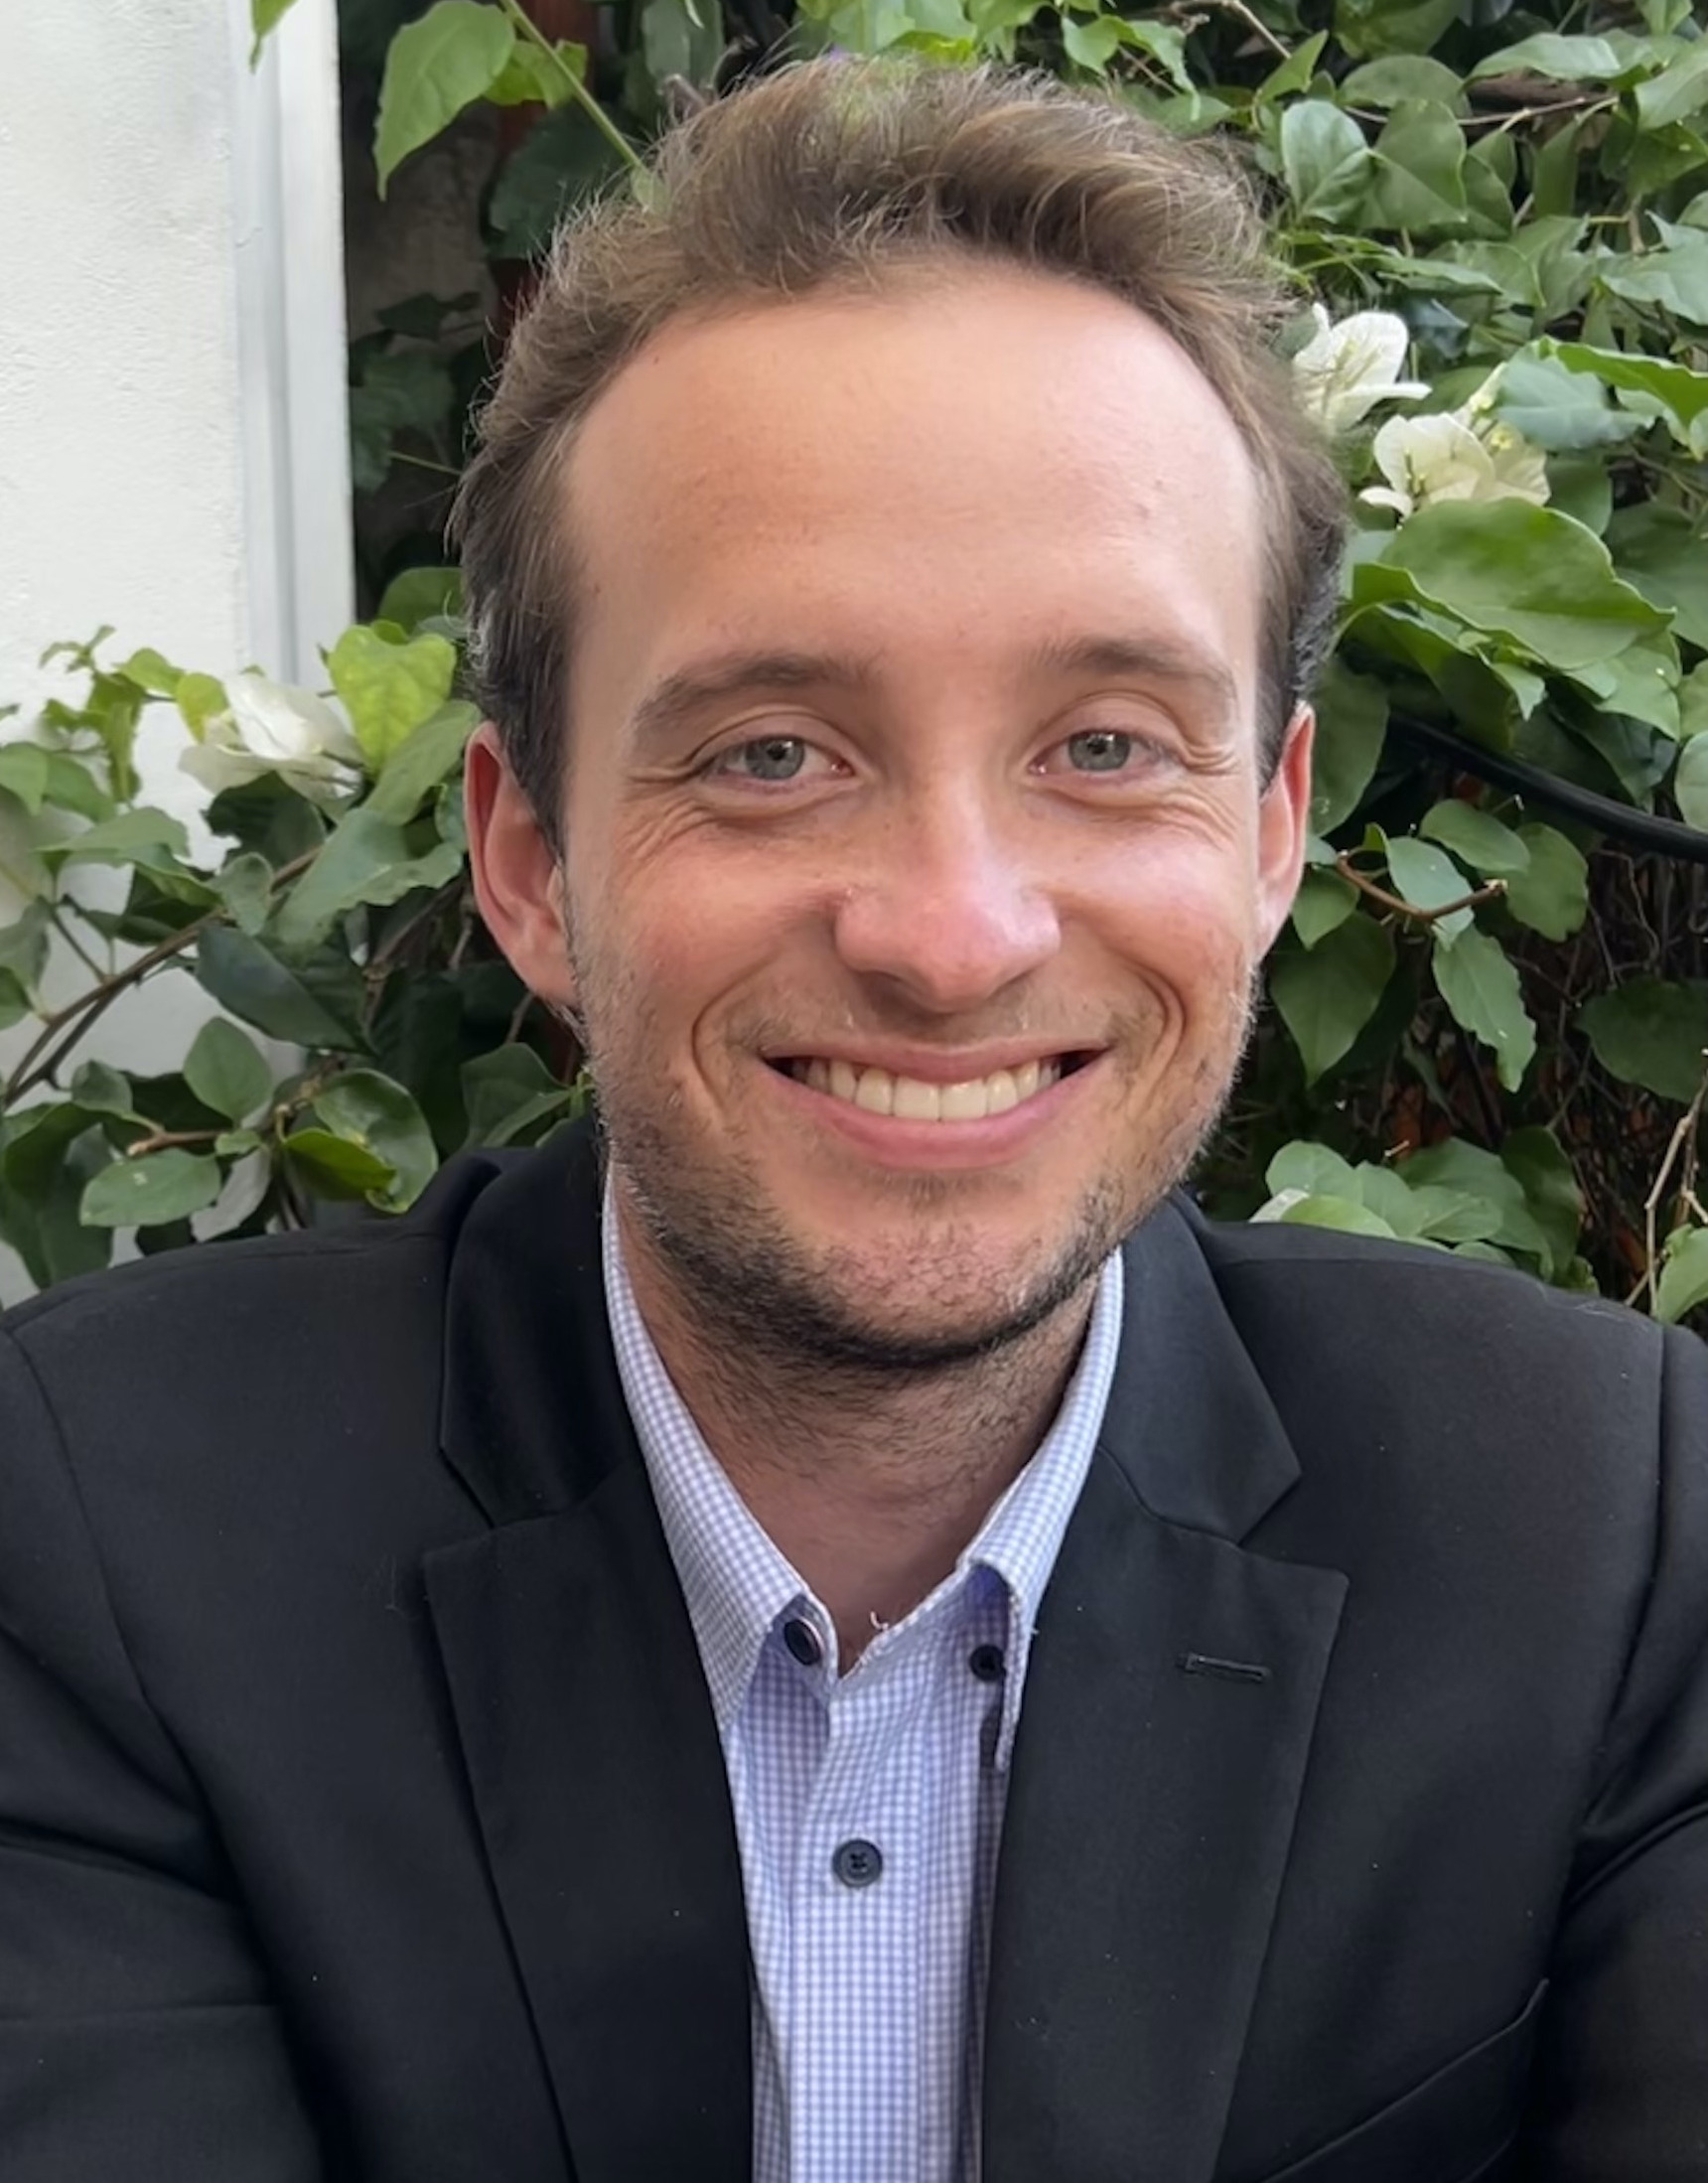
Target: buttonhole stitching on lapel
[1229, 1670]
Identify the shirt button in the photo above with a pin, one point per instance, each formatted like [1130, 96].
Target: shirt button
[858, 1863]
[986, 1663]
[802, 1642]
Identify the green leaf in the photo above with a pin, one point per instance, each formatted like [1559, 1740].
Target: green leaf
[245, 977]
[1690, 782]
[1680, 89]
[1562, 60]
[1327, 994]
[1312, 1170]
[1656, 549]
[1429, 879]
[1165, 45]
[681, 37]
[1523, 572]
[1480, 989]
[1679, 393]
[421, 594]
[265, 16]
[1419, 186]
[1404, 76]
[1370, 28]
[380, 1117]
[434, 68]
[1324, 901]
[14, 1000]
[127, 838]
[24, 774]
[46, 1155]
[1091, 44]
[199, 698]
[1557, 409]
[1676, 278]
[1651, 1033]
[160, 1186]
[73, 788]
[246, 886]
[1290, 77]
[336, 1167]
[367, 858]
[1533, 1155]
[1324, 159]
[1683, 1283]
[24, 948]
[508, 1091]
[430, 754]
[99, 1090]
[395, 390]
[1694, 702]
[1344, 1214]
[227, 1070]
[1352, 722]
[534, 76]
[1477, 837]
[389, 689]
[151, 670]
[564, 159]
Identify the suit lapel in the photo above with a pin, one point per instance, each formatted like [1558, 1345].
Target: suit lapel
[1169, 1706]
[587, 1733]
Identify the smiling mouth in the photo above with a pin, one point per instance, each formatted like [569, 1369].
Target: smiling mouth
[911, 1098]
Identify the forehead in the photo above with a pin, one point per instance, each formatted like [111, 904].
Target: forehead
[959, 464]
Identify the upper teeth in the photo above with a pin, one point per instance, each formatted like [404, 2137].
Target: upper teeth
[911, 1098]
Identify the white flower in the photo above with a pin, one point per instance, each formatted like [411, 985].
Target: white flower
[1463, 453]
[269, 727]
[1351, 364]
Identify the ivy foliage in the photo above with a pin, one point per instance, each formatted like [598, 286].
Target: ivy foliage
[1489, 1011]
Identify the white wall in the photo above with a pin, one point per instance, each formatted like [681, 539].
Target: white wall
[172, 454]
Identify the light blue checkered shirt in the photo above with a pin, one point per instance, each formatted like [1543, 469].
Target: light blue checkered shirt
[869, 1969]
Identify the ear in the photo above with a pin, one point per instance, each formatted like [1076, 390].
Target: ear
[1283, 825]
[518, 876]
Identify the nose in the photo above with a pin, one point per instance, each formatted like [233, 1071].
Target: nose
[950, 909]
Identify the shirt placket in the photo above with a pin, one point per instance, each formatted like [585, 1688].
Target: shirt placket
[856, 1925]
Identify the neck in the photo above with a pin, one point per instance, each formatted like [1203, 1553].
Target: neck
[872, 1481]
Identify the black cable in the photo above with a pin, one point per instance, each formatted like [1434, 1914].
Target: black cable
[1665, 836]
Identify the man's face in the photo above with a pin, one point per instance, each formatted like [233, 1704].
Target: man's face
[917, 861]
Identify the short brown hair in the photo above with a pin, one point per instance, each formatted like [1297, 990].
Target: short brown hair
[832, 171]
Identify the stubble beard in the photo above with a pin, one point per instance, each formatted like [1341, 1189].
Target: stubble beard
[740, 1275]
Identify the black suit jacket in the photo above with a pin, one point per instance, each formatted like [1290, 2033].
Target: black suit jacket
[362, 1815]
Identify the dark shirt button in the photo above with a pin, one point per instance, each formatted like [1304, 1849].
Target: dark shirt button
[985, 1661]
[858, 1863]
[802, 1642]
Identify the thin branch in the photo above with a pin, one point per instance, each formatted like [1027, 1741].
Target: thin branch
[1348, 871]
[1683, 1138]
[1253, 22]
[578, 91]
[80, 1015]
[163, 1139]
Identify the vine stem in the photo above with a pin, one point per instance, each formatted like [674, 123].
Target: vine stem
[1683, 1137]
[1350, 872]
[87, 1009]
[526, 25]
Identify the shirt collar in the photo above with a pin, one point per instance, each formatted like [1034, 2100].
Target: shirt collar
[735, 1581]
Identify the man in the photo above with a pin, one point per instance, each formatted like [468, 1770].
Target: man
[842, 1634]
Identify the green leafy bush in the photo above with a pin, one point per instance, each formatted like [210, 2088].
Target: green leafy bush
[1491, 1007]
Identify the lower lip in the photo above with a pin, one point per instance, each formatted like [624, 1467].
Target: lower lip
[889, 1141]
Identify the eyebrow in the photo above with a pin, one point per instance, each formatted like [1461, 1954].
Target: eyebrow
[672, 705]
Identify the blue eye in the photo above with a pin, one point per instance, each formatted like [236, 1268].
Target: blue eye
[1099, 750]
[768, 758]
